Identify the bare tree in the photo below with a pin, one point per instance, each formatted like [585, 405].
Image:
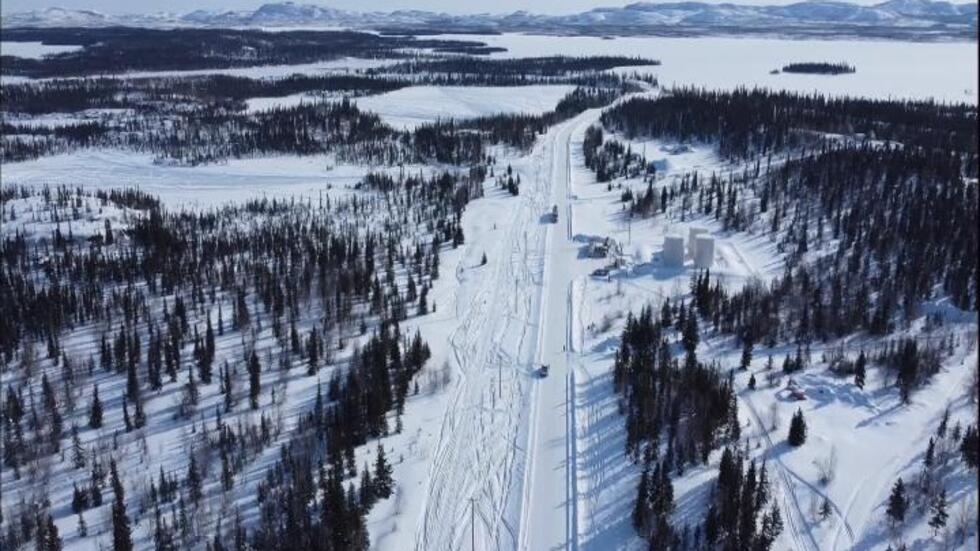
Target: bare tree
[773, 416]
[827, 466]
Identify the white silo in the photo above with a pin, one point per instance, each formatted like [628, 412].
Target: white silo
[692, 235]
[673, 250]
[704, 251]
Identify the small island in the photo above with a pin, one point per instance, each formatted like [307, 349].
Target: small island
[819, 68]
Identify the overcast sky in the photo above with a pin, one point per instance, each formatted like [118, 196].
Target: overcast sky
[455, 6]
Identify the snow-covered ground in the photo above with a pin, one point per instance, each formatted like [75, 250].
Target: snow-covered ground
[946, 71]
[33, 50]
[486, 453]
[410, 107]
[236, 180]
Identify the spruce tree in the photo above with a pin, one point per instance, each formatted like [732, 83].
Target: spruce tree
[970, 447]
[50, 541]
[939, 515]
[797, 430]
[254, 380]
[746, 355]
[77, 451]
[860, 370]
[122, 538]
[897, 503]
[640, 505]
[383, 483]
[194, 484]
[825, 509]
[95, 412]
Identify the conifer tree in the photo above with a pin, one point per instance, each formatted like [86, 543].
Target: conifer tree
[194, 484]
[254, 380]
[970, 447]
[77, 451]
[897, 504]
[746, 355]
[797, 430]
[938, 510]
[860, 370]
[95, 412]
[640, 506]
[122, 539]
[382, 475]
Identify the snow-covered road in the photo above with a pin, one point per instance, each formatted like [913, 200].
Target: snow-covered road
[500, 476]
[550, 516]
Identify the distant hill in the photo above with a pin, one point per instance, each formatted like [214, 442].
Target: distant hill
[907, 19]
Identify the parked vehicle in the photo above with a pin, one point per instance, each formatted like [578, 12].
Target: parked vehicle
[543, 371]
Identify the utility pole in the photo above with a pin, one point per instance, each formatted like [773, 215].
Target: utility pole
[500, 376]
[472, 524]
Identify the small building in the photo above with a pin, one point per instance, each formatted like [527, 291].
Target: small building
[704, 251]
[673, 251]
[657, 166]
[601, 247]
[598, 249]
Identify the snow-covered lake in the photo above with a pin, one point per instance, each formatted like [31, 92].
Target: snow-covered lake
[33, 50]
[410, 107]
[946, 71]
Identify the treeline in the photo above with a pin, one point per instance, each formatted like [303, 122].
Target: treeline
[176, 94]
[213, 133]
[745, 123]
[172, 94]
[819, 68]
[120, 49]
[553, 66]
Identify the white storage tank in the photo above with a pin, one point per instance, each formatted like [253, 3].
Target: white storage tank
[704, 251]
[692, 235]
[674, 251]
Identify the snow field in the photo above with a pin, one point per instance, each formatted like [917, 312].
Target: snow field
[33, 50]
[237, 180]
[410, 107]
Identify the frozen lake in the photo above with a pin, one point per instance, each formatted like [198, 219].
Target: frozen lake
[33, 50]
[946, 71]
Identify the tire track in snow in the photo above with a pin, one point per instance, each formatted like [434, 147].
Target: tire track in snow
[472, 460]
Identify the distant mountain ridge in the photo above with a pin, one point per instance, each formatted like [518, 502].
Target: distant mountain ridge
[915, 18]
